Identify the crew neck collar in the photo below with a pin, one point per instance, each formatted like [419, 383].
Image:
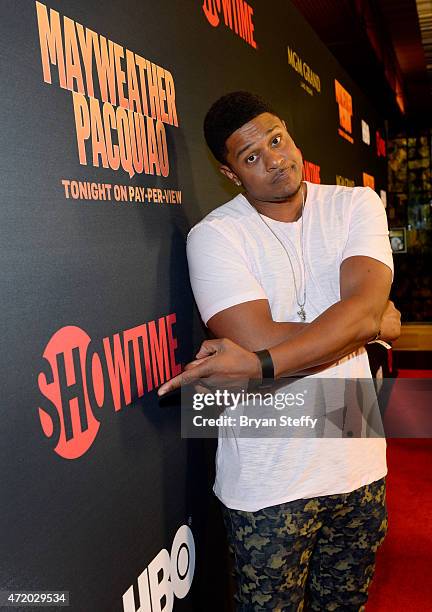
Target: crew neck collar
[309, 198]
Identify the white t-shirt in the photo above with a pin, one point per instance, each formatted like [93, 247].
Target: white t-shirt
[234, 258]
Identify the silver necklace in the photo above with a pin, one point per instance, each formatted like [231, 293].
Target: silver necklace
[301, 304]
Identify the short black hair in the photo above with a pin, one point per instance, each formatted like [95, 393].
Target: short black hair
[227, 115]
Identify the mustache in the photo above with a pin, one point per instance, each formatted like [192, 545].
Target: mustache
[283, 171]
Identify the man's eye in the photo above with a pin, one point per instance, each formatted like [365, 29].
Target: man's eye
[251, 159]
[276, 140]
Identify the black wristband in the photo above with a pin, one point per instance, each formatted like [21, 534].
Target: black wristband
[267, 366]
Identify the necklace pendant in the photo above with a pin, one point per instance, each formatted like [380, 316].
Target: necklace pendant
[302, 314]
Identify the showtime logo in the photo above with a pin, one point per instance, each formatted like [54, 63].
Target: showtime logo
[311, 172]
[79, 379]
[381, 145]
[237, 16]
[169, 575]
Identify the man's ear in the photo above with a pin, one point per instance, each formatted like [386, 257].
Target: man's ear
[229, 174]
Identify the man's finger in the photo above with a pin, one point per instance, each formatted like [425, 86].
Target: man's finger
[208, 348]
[185, 378]
[196, 362]
[172, 384]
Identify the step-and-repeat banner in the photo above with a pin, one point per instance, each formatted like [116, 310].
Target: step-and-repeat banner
[103, 171]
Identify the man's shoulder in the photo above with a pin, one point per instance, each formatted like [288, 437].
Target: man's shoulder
[339, 192]
[342, 200]
[224, 216]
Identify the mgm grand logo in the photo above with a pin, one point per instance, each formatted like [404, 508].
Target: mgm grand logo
[344, 181]
[311, 80]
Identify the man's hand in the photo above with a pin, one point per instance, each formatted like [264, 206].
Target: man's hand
[390, 323]
[217, 360]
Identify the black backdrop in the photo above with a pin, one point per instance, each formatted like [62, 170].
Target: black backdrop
[88, 503]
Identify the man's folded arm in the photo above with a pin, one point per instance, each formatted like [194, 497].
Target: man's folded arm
[345, 326]
[250, 324]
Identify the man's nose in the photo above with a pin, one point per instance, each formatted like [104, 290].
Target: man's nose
[274, 160]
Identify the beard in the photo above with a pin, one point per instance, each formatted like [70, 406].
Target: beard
[289, 193]
[286, 190]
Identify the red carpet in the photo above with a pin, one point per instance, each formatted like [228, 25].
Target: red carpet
[409, 412]
[414, 373]
[403, 581]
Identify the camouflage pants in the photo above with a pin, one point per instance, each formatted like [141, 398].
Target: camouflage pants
[310, 554]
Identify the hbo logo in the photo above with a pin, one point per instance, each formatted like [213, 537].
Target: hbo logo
[167, 575]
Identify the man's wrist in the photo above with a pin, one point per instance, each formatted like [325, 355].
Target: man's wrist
[377, 337]
[266, 364]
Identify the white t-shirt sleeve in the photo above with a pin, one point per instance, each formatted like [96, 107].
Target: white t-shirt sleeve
[219, 272]
[368, 231]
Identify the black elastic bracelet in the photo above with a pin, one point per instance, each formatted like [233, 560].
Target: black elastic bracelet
[267, 366]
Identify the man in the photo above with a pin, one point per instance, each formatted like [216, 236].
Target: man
[305, 271]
